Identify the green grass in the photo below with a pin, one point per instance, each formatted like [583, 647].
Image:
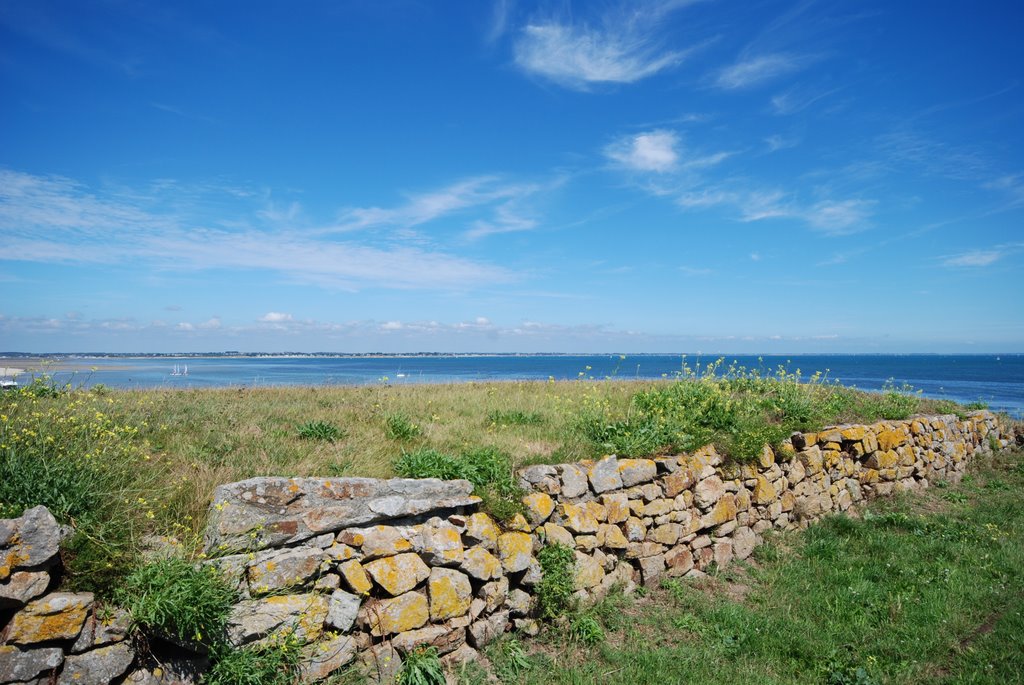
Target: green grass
[921, 589]
[422, 667]
[174, 597]
[121, 464]
[555, 590]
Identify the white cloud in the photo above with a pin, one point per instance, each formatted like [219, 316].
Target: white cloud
[575, 56]
[757, 70]
[59, 221]
[275, 317]
[650, 151]
[621, 46]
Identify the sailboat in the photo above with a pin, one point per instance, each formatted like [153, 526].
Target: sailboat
[179, 371]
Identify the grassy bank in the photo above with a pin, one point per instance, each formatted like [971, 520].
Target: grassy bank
[121, 464]
[923, 588]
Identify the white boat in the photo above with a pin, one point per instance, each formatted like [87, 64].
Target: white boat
[179, 370]
[8, 384]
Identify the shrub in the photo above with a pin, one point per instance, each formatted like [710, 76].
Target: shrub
[555, 589]
[66, 451]
[175, 597]
[320, 430]
[398, 426]
[422, 667]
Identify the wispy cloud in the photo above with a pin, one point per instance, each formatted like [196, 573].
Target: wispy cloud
[777, 142]
[829, 217]
[754, 71]
[58, 220]
[982, 257]
[651, 151]
[624, 48]
[796, 99]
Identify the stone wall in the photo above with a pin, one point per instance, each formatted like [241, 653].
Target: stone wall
[370, 569]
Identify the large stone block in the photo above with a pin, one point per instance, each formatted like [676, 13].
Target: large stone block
[450, 593]
[279, 569]
[30, 541]
[708, 491]
[396, 614]
[24, 665]
[255, 619]
[398, 574]
[57, 616]
[637, 471]
[515, 551]
[265, 512]
[102, 665]
[604, 475]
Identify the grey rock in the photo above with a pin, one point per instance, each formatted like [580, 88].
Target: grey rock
[604, 475]
[97, 667]
[744, 540]
[254, 619]
[708, 491]
[18, 665]
[319, 660]
[97, 632]
[342, 610]
[287, 568]
[444, 638]
[30, 541]
[485, 631]
[265, 512]
[574, 480]
[22, 587]
[382, 664]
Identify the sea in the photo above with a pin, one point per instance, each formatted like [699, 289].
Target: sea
[997, 380]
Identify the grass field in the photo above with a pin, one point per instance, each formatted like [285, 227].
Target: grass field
[923, 588]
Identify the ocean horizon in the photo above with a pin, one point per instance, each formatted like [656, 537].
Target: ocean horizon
[995, 379]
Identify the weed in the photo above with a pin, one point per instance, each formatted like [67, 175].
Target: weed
[510, 659]
[174, 597]
[555, 590]
[586, 630]
[993, 443]
[275, 663]
[422, 667]
[320, 430]
[399, 426]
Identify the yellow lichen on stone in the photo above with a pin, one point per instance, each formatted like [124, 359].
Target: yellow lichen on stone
[724, 510]
[578, 519]
[539, 507]
[890, 439]
[398, 574]
[450, 594]
[397, 614]
[59, 616]
[764, 492]
[515, 550]
[481, 527]
[355, 575]
[853, 433]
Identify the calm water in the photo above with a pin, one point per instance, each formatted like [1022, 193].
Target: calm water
[997, 380]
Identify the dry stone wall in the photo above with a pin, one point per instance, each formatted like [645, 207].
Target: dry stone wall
[370, 569]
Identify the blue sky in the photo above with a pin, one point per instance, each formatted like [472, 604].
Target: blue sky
[507, 176]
